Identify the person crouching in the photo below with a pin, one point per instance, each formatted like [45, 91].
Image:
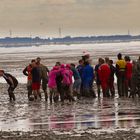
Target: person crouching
[12, 82]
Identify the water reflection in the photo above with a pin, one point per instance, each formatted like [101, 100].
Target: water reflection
[98, 114]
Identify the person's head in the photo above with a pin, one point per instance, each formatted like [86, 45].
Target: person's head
[107, 60]
[119, 56]
[127, 58]
[33, 63]
[68, 66]
[62, 66]
[110, 62]
[1, 72]
[58, 64]
[102, 61]
[72, 65]
[86, 58]
[81, 62]
[38, 60]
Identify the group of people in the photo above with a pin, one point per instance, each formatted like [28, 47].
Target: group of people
[127, 73]
[70, 82]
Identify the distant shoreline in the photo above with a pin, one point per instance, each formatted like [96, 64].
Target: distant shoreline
[27, 44]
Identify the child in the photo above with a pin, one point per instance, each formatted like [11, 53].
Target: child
[12, 82]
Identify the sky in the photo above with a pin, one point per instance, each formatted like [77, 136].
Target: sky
[74, 17]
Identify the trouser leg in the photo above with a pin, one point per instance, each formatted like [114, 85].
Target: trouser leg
[133, 91]
[62, 92]
[35, 94]
[119, 83]
[11, 93]
[111, 87]
[126, 88]
[123, 86]
[104, 88]
[29, 88]
[98, 90]
[44, 88]
[51, 95]
[69, 93]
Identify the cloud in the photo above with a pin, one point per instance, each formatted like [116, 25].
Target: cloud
[75, 16]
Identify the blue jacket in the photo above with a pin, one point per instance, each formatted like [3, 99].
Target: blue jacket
[87, 76]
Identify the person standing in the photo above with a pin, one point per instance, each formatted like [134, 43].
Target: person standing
[77, 80]
[120, 72]
[134, 79]
[52, 84]
[104, 75]
[35, 81]
[59, 79]
[128, 75]
[70, 73]
[87, 80]
[66, 84]
[12, 82]
[27, 72]
[98, 82]
[80, 67]
[111, 79]
[44, 71]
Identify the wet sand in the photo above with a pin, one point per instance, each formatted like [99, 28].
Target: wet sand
[118, 135]
[108, 118]
[99, 119]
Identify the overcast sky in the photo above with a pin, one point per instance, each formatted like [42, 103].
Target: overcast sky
[75, 17]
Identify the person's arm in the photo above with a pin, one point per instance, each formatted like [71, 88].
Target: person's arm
[93, 76]
[47, 70]
[117, 70]
[25, 72]
[95, 72]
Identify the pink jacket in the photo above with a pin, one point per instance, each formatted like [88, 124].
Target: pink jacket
[70, 75]
[67, 76]
[52, 78]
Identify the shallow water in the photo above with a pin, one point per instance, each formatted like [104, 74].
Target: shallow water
[98, 114]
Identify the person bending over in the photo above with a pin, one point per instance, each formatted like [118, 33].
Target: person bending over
[12, 82]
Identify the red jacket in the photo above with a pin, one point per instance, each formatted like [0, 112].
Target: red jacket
[104, 72]
[129, 70]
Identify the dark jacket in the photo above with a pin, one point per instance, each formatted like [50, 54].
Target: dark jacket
[7, 77]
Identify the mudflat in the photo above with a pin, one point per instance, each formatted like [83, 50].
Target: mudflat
[104, 118]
